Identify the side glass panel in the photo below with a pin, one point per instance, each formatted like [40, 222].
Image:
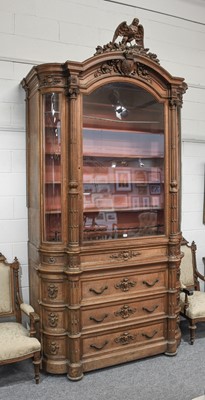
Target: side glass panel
[123, 163]
[52, 176]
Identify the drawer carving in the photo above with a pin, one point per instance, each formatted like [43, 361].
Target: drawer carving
[125, 338]
[52, 320]
[125, 285]
[99, 320]
[52, 291]
[151, 284]
[100, 291]
[98, 347]
[53, 348]
[125, 255]
[125, 311]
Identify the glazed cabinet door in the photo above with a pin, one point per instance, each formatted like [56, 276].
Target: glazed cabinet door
[123, 163]
[52, 167]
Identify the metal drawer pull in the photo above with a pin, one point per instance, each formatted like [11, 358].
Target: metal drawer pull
[94, 346]
[151, 284]
[98, 291]
[149, 336]
[99, 320]
[150, 310]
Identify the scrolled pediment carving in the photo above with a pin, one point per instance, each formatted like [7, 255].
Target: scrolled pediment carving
[126, 67]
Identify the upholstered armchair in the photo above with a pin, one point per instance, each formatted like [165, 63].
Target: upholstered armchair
[16, 342]
[192, 300]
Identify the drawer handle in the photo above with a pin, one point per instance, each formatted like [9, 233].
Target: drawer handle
[100, 319]
[94, 346]
[125, 285]
[149, 336]
[99, 291]
[152, 283]
[150, 310]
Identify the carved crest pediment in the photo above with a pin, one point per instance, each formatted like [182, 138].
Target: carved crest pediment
[129, 33]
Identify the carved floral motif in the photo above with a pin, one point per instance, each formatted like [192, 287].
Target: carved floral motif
[52, 320]
[125, 255]
[125, 338]
[52, 291]
[125, 311]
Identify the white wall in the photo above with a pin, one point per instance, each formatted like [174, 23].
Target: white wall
[38, 31]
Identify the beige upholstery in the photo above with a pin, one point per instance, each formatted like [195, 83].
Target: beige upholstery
[16, 342]
[186, 267]
[5, 289]
[196, 308]
[192, 300]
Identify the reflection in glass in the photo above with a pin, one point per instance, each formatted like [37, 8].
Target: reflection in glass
[52, 167]
[123, 163]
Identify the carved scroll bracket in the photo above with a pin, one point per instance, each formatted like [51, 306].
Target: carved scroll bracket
[73, 87]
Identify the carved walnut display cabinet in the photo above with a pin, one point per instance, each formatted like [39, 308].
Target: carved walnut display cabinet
[103, 163]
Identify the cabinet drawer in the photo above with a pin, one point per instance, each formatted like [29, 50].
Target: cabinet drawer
[99, 288]
[55, 346]
[54, 291]
[123, 339]
[120, 257]
[96, 318]
[54, 320]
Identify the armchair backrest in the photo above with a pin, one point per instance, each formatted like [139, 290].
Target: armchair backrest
[188, 276]
[9, 289]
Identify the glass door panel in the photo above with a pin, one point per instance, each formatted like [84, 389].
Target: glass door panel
[52, 177]
[123, 163]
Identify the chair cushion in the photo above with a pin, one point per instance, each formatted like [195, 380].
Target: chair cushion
[196, 307]
[15, 341]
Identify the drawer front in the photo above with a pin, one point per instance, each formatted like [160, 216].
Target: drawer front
[103, 345]
[54, 320]
[96, 318]
[101, 287]
[120, 257]
[55, 346]
[54, 291]
[53, 259]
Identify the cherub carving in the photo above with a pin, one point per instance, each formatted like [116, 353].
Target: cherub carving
[134, 31]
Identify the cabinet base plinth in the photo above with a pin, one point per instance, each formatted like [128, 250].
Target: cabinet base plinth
[75, 372]
[55, 367]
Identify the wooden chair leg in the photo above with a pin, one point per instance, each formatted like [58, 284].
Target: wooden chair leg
[36, 363]
[192, 329]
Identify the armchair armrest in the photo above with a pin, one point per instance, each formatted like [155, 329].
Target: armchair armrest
[34, 317]
[188, 292]
[26, 308]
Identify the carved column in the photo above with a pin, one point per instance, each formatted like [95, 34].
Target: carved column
[73, 272]
[175, 214]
